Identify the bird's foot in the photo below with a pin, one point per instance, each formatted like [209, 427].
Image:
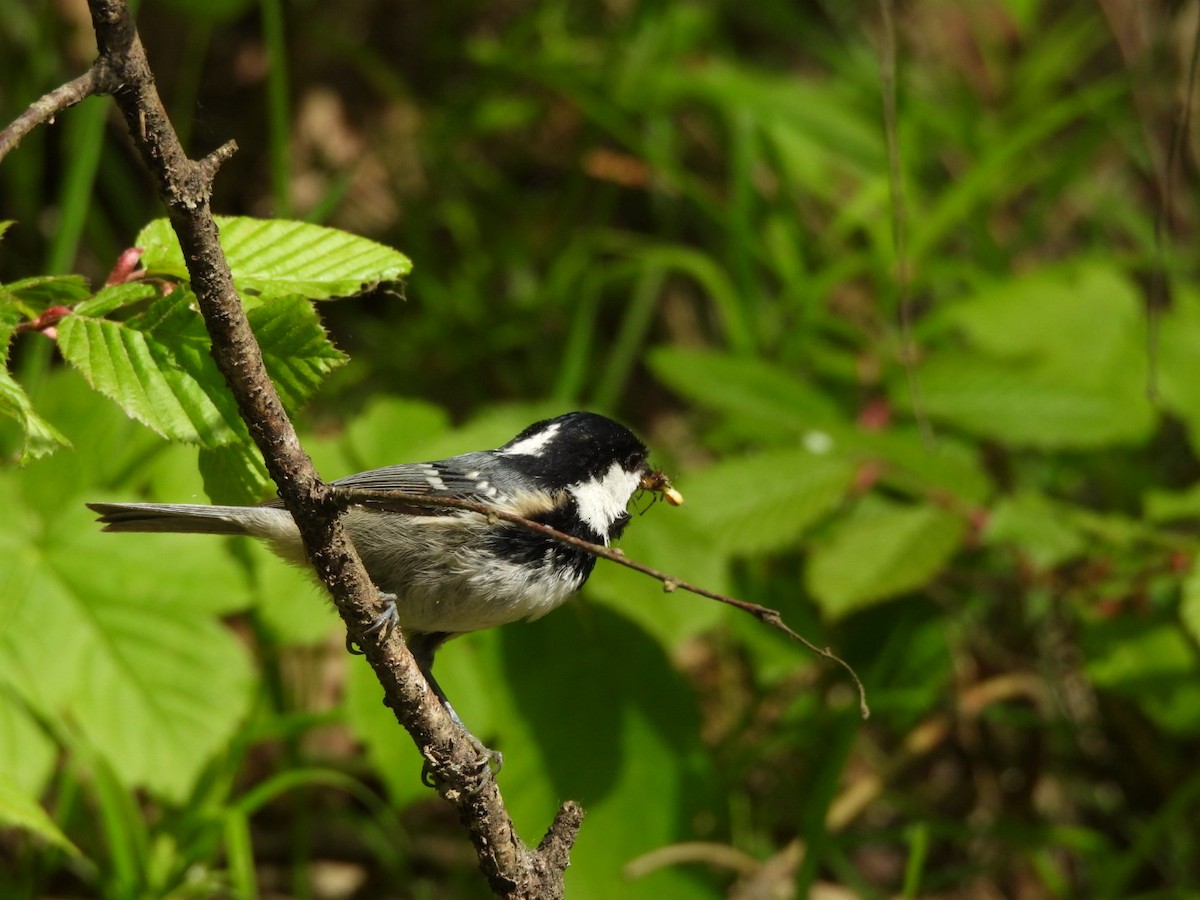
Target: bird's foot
[385, 622]
[488, 760]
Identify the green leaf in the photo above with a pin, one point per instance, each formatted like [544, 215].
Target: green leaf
[19, 810]
[38, 437]
[775, 401]
[388, 749]
[882, 550]
[235, 474]
[113, 297]
[1189, 602]
[1077, 322]
[1042, 530]
[1057, 362]
[276, 257]
[1171, 506]
[157, 368]
[142, 666]
[763, 503]
[1014, 405]
[616, 723]
[390, 430]
[290, 602]
[27, 755]
[295, 348]
[1178, 363]
[1150, 662]
[664, 539]
[917, 465]
[34, 295]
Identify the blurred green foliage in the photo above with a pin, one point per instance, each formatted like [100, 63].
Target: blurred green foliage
[680, 214]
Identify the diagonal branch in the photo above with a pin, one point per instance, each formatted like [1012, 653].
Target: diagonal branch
[185, 186]
[347, 496]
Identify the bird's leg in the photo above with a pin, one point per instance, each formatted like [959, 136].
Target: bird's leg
[423, 646]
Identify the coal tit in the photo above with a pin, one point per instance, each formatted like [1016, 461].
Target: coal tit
[447, 571]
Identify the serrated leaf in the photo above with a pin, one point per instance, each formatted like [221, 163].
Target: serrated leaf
[36, 294]
[764, 502]
[18, 810]
[113, 297]
[295, 348]
[157, 368]
[39, 437]
[881, 551]
[277, 257]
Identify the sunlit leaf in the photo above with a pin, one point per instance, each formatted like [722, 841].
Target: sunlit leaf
[276, 257]
[152, 679]
[37, 436]
[18, 810]
[158, 368]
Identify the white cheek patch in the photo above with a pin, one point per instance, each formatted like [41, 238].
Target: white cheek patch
[601, 501]
[534, 444]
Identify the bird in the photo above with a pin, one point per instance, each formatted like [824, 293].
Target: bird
[444, 572]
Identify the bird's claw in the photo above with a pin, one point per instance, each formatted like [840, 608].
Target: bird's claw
[488, 760]
[385, 622]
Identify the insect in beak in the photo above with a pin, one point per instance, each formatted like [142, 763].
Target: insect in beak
[659, 484]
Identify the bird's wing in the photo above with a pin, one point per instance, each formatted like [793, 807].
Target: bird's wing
[462, 477]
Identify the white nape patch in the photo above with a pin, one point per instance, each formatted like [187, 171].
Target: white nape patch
[601, 501]
[534, 444]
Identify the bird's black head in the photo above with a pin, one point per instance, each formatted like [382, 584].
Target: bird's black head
[575, 447]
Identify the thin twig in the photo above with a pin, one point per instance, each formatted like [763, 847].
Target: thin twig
[374, 498]
[92, 82]
[899, 203]
[1156, 300]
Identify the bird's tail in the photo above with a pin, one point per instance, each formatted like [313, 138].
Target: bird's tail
[268, 522]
